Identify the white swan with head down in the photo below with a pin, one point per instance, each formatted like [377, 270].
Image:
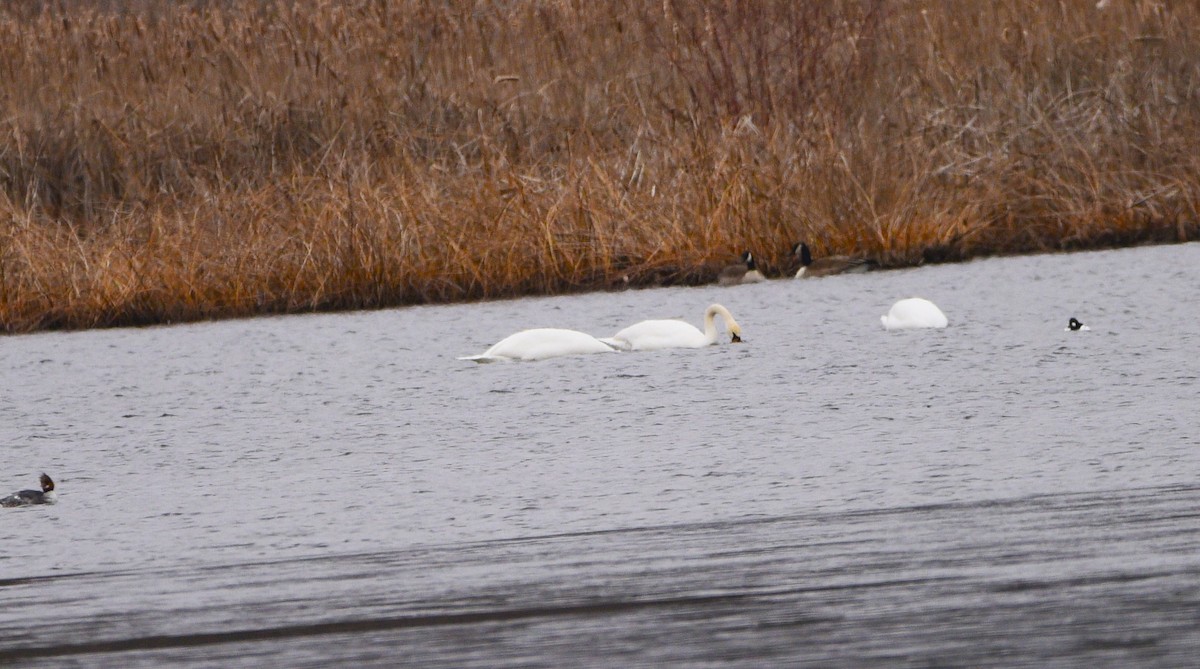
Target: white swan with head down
[914, 313]
[541, 343]
[670, 333]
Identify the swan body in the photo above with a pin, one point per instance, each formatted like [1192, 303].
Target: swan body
[914, 313]
[541, 343]
[810, 268]
[744, 272]
[1074, 325]
[670, 333]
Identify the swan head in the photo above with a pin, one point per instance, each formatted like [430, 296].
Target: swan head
[735, 332]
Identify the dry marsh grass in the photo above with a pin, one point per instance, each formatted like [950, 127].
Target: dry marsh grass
[165, 162]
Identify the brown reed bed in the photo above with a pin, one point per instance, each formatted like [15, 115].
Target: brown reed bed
[164, 162]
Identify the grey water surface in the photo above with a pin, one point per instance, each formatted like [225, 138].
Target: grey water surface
[339, 489]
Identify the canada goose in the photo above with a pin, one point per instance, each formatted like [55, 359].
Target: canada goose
[1074, 325]
[914, 313]
[743, 272]
[826, 266]
[541, 343]
[26, 497]
[671, 333]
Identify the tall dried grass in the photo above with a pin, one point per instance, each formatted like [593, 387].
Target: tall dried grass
[166, 162]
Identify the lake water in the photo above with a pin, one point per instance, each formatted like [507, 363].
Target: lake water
[339, 489]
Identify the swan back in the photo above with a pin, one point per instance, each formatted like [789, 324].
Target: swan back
[914, 312]
[653, 335]
[671, 333]
[541, 343]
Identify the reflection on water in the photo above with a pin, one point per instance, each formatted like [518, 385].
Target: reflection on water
[348, 487]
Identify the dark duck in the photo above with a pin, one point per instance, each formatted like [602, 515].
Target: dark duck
[27, 497]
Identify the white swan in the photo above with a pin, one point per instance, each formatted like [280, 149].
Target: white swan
[914, 313]
[671, 333]
[541, 343]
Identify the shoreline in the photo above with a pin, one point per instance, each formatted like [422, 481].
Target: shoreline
[702, 276]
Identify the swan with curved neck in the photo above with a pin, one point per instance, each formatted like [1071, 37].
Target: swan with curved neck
[539, 344]
[671, 333]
